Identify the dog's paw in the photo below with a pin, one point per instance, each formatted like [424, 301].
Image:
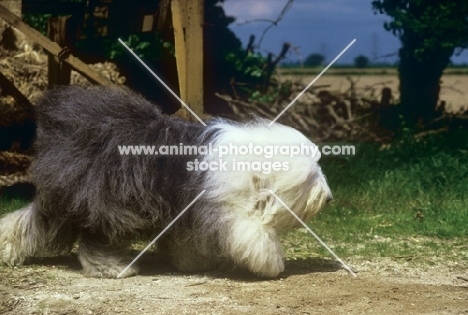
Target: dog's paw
[272, 268]
[107, 272]
[9, 255]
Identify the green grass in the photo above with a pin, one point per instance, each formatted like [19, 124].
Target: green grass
[410, 199]
[11, 202]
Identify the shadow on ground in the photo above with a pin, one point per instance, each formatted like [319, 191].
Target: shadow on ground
[151, 265]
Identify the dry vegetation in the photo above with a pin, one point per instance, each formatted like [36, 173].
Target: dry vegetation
[349, 104]
[27, 70]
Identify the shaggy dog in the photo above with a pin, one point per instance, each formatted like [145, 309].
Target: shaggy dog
[87, 190]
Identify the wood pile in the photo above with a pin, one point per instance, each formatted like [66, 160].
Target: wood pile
[27, 70]
[325, 115]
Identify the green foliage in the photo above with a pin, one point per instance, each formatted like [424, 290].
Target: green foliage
[249, 74]
[149, 46]
[250, 68]
[436, 24]
[273, 93]
[253, 77]
[37, 21]
[361, 61]
[429, 31]
[314, 60]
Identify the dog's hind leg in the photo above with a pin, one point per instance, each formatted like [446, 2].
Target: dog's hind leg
[102, 258]
[20, 236]
[27, 232]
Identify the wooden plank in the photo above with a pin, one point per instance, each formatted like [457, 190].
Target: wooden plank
[163, 17]
[52, 47]
[59, 73]
[178, 23]
[194, 53]
[11, 89]
[120, 17]
[187, 20]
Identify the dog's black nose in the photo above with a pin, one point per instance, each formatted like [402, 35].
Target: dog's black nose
[329, 198]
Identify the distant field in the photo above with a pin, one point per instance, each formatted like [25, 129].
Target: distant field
[453, 92]
[365, 71]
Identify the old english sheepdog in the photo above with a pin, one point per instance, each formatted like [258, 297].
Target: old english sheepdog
[88, 190]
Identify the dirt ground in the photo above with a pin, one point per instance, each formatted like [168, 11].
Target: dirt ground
[314, 286]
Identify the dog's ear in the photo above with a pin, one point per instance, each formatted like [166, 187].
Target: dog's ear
[268, 206]
[270, 210]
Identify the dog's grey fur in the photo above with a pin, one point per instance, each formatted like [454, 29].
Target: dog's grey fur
[86, 190]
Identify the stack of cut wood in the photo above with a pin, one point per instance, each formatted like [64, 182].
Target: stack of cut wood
[322, 114]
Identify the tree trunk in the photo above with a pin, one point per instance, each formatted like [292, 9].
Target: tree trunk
[420, 78]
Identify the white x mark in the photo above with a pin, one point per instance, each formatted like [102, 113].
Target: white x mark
[310, 84]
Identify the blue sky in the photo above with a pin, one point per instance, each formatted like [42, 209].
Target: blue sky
[319, 26]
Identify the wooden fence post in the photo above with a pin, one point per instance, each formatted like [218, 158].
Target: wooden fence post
[59, 72]
[187, 20]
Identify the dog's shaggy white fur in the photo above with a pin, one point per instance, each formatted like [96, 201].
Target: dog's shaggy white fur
[86, 190]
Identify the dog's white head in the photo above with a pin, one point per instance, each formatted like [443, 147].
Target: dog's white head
[258, 160]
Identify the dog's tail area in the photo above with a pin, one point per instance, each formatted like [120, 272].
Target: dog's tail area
[25, 232]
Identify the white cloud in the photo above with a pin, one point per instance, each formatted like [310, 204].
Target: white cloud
[336, 9]
[342, 10]
[253, 9]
